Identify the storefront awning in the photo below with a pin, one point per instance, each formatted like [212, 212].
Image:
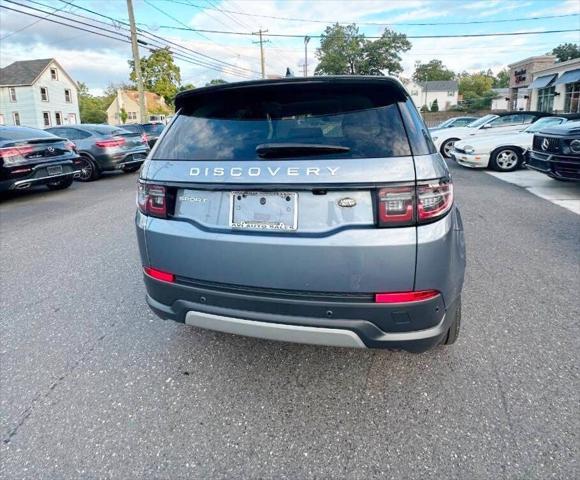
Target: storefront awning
[543, 82]
[570, 76]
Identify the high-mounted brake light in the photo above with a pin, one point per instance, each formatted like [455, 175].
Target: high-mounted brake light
[159, 274]
[111, 142]
[405, 297]
[152, 200]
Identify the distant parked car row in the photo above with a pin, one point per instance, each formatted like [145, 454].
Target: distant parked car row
[504, 142]
[57, 155]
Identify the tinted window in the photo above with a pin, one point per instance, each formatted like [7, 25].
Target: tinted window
[154, 128]
[481, 121]
[22, 133]
[461, 122]
[104, 130]
[515, 119]
[421, 143]
[231, 127]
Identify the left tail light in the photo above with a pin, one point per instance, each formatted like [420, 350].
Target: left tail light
[144, 138]
[407, 205]
[152, 200]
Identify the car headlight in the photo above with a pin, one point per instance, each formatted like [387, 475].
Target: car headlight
[468, 149]
[575, 146]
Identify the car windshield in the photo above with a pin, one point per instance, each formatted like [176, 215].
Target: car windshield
[293, 124]
[22, 133]
[542, 122]
[480, 121]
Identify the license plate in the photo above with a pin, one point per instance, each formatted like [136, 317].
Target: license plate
[54, 169]
[272, 211]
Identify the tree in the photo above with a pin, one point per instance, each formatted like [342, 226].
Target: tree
[160, 73]
[502, 79]
[123, 115]
[566, 51]
[433, 70]
[345, 51]
[476, 90]
[215, 81]
[435, 106]
[92, 109]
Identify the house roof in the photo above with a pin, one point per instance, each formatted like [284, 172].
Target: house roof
[440, 85]
[153, 101]
[24, 72]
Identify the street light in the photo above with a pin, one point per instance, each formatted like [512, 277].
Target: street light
[306, 40]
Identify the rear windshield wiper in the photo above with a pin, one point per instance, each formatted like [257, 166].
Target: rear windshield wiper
[282, 150]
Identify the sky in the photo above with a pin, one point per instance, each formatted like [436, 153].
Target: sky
[99, 61]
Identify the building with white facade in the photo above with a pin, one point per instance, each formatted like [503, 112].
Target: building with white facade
[37, 93]
[446, 92]
[557, 88]
[501, 100]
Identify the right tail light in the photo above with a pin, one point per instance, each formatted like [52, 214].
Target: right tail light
[414, 204]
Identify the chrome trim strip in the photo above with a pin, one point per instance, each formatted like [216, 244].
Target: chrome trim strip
[275, 331]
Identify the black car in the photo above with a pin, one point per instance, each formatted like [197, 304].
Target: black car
[150, 131]
[31, 157]
[556, 152]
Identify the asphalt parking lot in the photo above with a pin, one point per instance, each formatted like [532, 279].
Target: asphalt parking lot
[93, 385]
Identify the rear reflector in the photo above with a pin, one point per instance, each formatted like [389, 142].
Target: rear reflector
[159, 274]
[405, 297]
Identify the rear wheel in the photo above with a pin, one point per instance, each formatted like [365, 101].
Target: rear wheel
[447, 146]
[131, 168]
[505, 159]
[88, 169]
[60, 184]
[453, 331]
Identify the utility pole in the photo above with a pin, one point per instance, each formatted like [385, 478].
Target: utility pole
[261, 42]
[306, 40]
[137, 62]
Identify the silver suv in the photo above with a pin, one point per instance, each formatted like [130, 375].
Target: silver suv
[311, 210]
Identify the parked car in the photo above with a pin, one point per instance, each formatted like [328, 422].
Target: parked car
[556, 152]
[454, 122]
[489, 124]
[30, 157]
[104, 148]
[150, 131]
[503, 152]
[306, 210]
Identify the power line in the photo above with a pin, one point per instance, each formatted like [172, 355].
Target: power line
[58, 9]
[380, 24]
[122, 38]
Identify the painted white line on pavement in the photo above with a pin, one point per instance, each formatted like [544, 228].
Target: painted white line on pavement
[565, 194]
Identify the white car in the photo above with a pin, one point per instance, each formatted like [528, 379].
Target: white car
[503, 151]
[489, 124]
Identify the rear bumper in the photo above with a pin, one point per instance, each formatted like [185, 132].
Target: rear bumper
[39, 176]
[116, 161]
[321, 319]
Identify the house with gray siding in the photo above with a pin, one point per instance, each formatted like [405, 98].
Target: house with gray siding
[38, 93]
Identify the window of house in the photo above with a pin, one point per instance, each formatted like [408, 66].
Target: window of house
[72, 118]
[450, 94]
[12, 92]
[546, 99]
[132, 115]
[53, 74]
[67, 95]
[16, 118]
[46, 119]
[44, 94]
[58, 118]
[572, 98]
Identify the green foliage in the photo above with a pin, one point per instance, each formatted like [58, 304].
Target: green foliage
[502, 79]
[160, 73]
[433, 70]
[435, 106]
[92, 109]
[424, 108]
[123, 115]
[215, 81]
[477, 90]
[566, 51]
[345, 51]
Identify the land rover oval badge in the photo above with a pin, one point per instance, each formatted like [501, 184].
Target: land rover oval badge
[347, 202]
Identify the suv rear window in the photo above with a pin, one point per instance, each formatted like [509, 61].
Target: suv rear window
[232, 125]
[155, 128]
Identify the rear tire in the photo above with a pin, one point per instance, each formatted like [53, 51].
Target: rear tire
[131, 168]
[60, 184]
[447, 146]
[453, 331]
[506, 159]
[89, 170]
